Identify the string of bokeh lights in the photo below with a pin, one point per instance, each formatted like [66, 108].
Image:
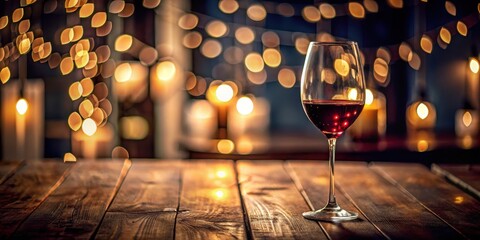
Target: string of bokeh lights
[94, 107]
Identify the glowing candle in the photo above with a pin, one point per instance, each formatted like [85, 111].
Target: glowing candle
[22, 107]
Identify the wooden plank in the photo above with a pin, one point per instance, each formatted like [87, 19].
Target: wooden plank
[464, 176]
[7, 169]
[22, 193]
[313, 178]
[273, 203]
[75, 209]
[451, 204]
[397, 214]
[210, 206]
[146, 204]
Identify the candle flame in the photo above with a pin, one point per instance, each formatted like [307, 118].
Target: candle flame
[22, 106]
[245, 106]
[89, 127]
[352, 94]
[368, 97]
[224, 93]
[422, 111]
[474, 65]
[467, 119]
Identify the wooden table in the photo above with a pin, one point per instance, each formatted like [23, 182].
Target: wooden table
[221, 199]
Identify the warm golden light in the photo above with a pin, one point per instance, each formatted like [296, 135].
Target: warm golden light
[123, 72]
[85, 108]
[86, 10]
[127, 10]
[450, 7]
[395, 3]
[244, 105]
[123, 43]
[286, 77]
[3, 22]
[356, 10]
[192, 39]
[221, 173]
[5, 75]
[445, 35]
[426, 44]
[254, 62]
[458, 200]
[467, 119]
[89, 127]
[341, 67]
[75, 91]
[272, 57]
[371, 6]
[219, 194]
[216, 28]
[414, 60]
[75, 121]
[188, 21]
[116, 6]
[368, 97]
[422, 111]
[474, 65]
[69, 157]
[352, 94]
[422, 145]
[22, 106]
[66, 65]
[165, 70]
[134, 127]
[99, 19]
[24, 46]
[404, 51]
[256, 12]
[87, 86]
[228, 6]
[462, 28]
[311, 14]
[380, 68]
[23, 26]
[224, 93]
[17, 15]
[151, 4]
[225, 146]
[327, 11]
[211, 48]
[301, 44]
[244, 35]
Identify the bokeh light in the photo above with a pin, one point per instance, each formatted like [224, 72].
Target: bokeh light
[89, 127]
[256, 12]
[22, 106]
[244, 105]
[254, 62]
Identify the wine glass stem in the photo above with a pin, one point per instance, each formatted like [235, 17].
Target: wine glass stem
[332, 202]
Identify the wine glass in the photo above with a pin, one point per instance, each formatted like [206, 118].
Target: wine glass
[333, 95]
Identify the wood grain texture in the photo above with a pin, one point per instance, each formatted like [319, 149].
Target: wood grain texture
[77, 206]
[146, 204]
[273, 203]
[465, 176]
[7, 169]
[210, 206]
[22, 193]
[451, 204]
[396, 213]
[313, 178]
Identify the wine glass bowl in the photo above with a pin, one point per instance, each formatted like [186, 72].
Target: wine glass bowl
[333, 95]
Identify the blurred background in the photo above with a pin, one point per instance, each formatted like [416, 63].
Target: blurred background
[220, 79]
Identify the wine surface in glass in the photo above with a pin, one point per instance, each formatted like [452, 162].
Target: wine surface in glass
[332, 117]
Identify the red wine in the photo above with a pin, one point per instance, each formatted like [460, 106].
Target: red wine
[332, 117]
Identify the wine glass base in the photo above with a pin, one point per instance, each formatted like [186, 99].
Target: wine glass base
[330, 214]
